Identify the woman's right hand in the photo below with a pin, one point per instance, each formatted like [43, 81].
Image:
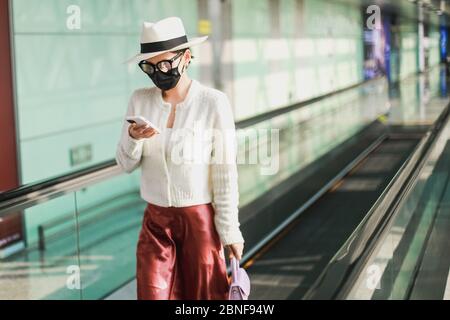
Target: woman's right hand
[140, 132]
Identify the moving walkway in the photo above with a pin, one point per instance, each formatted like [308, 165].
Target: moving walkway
[343, 173]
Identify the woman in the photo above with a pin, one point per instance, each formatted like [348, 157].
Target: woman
[192, 210]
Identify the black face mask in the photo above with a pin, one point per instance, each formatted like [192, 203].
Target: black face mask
[166, 81]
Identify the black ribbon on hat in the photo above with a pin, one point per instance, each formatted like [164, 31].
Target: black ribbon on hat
[162, 45]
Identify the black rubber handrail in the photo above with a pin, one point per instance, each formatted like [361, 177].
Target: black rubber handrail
[47, 183]
[337, 278]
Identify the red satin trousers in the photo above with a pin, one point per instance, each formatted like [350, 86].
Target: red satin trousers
[180, 256]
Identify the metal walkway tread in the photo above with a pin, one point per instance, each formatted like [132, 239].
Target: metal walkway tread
[292, 264]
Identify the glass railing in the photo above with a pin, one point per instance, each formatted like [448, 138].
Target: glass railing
[79, 237]
[308, 133]
[42, 274]
[78, 245]
[81, 243]
[393, 269]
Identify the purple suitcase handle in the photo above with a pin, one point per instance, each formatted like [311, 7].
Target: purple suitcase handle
[240, 283]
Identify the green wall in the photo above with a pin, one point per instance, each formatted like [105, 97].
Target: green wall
[278, 64]
[72, 88]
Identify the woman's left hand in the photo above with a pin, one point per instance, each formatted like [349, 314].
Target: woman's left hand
[235, 250]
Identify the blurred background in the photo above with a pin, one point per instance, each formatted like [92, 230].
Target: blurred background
[338, 78]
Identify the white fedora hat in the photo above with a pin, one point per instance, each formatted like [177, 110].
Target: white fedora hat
[162, 36]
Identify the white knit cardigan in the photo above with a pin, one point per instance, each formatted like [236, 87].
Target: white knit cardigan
[184, 181]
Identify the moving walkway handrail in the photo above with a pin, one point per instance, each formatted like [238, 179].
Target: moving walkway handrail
[29, 195]
[41, 191]
[336, 279]
[256, 250]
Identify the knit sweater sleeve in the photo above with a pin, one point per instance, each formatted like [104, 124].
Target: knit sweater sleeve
[224, 174]
[129, 150]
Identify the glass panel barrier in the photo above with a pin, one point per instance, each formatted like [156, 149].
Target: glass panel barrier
[47, 266]
[391, 270]
[80, 244]
[309, 132]
[305, 135]
[96, 225]
[110, 216]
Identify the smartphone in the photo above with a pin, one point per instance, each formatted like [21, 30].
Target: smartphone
[140, 120]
